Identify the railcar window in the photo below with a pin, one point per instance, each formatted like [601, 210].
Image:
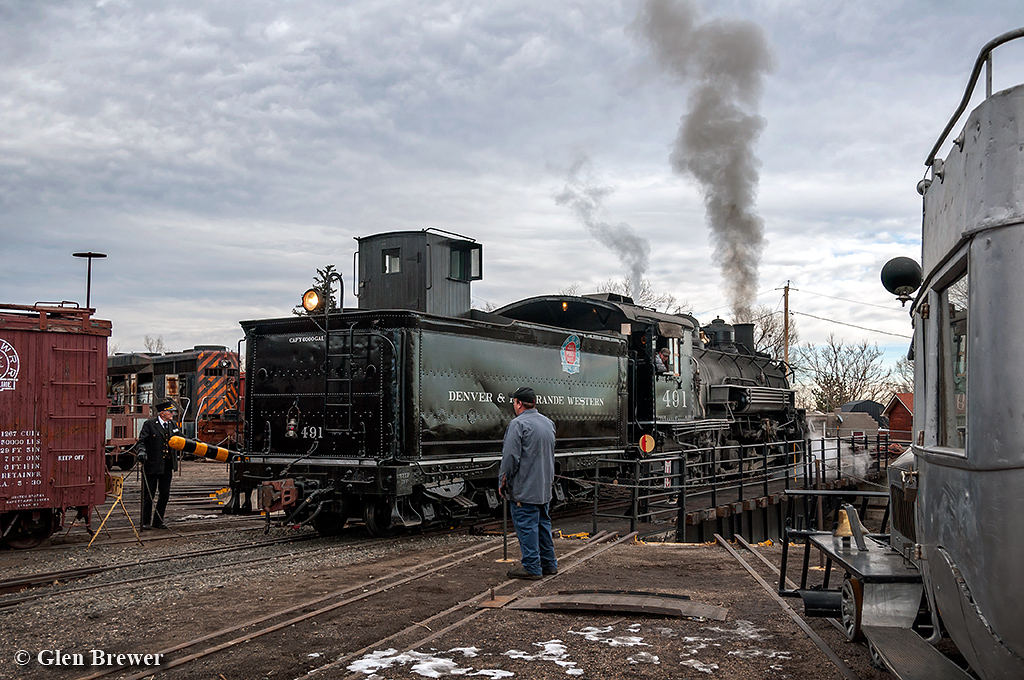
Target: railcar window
[466, 263]
[392, 261]
[954, 359]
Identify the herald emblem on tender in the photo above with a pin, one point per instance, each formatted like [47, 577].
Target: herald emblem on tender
[10, 366]
[571, 354]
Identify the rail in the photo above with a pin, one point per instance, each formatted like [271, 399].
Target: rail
[984, 57]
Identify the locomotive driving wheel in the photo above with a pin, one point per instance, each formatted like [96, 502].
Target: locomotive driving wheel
[852, 607]
[27, 528]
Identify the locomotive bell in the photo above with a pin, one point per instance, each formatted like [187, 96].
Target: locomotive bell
[901, 276]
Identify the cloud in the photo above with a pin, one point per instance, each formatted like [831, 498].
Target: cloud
[220, 153]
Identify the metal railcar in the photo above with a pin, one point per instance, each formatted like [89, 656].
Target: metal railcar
[955, 493]
[52, 403]
[395, 412]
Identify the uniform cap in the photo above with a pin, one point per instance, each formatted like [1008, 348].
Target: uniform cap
[525, 395]
[166, 406]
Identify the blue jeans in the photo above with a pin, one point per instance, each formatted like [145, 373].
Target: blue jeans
[533, 527]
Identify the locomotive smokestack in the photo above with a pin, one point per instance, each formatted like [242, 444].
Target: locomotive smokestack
[585, 199]
[726, 61]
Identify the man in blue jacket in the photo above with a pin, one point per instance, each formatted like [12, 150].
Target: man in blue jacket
[525, 478]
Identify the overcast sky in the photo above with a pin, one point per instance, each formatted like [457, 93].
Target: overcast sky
[220, 152]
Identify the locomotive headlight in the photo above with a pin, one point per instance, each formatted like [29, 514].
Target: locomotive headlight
[311, 300]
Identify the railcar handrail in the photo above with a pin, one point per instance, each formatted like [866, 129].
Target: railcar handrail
[983, 58]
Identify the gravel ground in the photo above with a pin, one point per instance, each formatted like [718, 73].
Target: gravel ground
[175, 604]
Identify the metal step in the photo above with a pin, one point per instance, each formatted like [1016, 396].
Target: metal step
[909, 656]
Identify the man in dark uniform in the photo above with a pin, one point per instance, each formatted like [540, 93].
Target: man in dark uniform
[525, 478]
[159, 462]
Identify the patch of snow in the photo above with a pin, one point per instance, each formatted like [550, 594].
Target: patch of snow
[594, 634]
[553, 650]
[702, 667]
[644, 657]
[755, 652]
[744, 629]
[466, 651]
[421, 664]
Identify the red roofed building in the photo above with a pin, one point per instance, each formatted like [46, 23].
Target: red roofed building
[900, 412]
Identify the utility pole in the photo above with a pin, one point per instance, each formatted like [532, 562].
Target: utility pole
[785, 322]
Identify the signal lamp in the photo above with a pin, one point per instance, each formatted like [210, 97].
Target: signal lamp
[311, 301]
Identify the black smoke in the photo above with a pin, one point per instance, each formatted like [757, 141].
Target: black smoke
[725, 63]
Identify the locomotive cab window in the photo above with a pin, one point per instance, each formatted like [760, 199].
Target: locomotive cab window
[953, 352]
[391, 260]
[466, 262]
[672, 364]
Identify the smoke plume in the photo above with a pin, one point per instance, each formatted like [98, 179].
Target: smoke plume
[724, 62]
[585, 199]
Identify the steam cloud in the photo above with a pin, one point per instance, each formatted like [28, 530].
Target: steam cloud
[585, 199]
[726, 60]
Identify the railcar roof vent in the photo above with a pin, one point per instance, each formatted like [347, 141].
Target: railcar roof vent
[425, 271]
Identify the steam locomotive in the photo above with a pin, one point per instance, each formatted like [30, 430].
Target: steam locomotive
[395, 411]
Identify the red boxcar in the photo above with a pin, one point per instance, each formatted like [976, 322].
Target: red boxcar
[53, 404]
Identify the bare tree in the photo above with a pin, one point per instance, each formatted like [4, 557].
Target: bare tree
[154, 345]
[769, 331]
[322, 285]
[838, 373]
[572, 289]
[646, 296]
[902, 376]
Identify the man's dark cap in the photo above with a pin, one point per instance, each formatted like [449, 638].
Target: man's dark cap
[165, 406]
[525, 395]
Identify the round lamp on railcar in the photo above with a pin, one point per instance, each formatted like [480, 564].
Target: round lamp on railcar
[311, 301]
[901, 276]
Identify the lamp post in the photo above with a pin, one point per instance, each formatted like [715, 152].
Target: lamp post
[88, 277]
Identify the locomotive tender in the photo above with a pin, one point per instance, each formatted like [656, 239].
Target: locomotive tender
[396, 411]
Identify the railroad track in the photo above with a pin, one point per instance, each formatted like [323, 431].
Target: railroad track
[305, 615]
[19, 583]
[826, 648]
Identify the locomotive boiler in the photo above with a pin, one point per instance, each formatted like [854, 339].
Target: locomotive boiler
[395, 411]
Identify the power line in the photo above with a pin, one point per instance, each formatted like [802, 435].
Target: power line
[857, 302]
[872, 330]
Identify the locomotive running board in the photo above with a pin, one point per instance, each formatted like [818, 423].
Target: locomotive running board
[909, 656]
